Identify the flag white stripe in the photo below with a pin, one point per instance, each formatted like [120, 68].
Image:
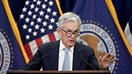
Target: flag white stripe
[45, 39]
[57, 37]
[128, 34]
[33, 46]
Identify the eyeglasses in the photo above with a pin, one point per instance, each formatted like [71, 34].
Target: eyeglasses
[69, 33]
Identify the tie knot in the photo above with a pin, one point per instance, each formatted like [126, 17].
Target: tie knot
[66, 50]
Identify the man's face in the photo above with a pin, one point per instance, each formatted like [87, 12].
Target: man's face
[69, 33]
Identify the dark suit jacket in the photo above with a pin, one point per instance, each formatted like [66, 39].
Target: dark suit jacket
[48, 53]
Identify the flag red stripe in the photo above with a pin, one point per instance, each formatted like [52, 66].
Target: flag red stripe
[52, 37]
[28, 51]
[39, 41]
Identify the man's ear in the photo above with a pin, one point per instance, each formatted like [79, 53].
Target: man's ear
[58, 31]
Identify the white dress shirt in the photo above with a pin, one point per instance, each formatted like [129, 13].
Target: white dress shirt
[62, 54]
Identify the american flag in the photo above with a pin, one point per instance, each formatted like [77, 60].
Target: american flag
[37, 24]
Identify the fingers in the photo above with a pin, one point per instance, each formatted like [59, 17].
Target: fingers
[113, 59]
[100, 57]
[106, 60]
[108, 57]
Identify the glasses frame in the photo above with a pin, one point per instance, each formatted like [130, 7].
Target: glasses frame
[76, 33]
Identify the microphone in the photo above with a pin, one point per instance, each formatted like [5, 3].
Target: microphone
[87, 62]
[33, 62]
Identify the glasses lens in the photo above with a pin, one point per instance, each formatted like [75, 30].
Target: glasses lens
[77, 33]
[69, 33]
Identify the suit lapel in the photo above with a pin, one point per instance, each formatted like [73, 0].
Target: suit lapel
[54, 53]
[76, 57]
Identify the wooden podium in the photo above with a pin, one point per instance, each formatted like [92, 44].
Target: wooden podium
[59, 72]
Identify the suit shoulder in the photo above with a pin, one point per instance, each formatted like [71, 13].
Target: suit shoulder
[84, 46]
[48, 45]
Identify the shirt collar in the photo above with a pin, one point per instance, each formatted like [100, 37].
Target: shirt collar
[62, 47]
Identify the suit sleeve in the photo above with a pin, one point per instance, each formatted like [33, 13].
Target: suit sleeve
[92, 59]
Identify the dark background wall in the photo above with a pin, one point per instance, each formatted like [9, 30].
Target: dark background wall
[123, 8]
